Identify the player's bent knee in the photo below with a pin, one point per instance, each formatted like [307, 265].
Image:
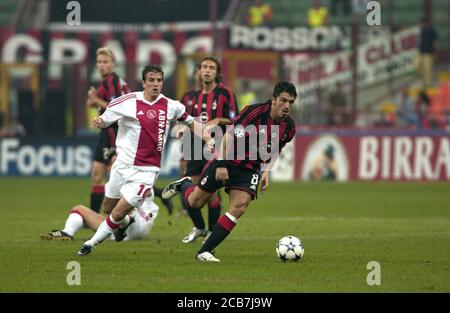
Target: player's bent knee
[78, 207]
[81, 209]
[196, 202]
[198, 198]
[121, 209]
[237, 212]
[238, 208]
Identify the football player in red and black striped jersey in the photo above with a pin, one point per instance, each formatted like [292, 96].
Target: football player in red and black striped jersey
[188, 97]
[263, 129]
[188, 101]
[214, 105]
[110, 88]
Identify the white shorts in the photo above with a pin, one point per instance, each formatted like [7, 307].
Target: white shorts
[144, 220]
[129, 182]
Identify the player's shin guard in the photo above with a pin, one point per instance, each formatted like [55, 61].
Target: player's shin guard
[221, 230]
[214, 212]
[97, 195]
[194, 213]
[104, 231]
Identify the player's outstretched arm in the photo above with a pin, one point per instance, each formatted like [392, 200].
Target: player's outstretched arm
[198, 130]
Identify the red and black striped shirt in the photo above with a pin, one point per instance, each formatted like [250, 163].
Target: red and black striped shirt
[110, 88]
[188, 100]
[255, 128]
[219, 103]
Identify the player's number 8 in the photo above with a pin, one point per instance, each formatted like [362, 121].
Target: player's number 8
[254, 180]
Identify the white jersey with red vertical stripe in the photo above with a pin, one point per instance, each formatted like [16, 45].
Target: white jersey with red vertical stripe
[143, 127]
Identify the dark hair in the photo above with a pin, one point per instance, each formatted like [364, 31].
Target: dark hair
[281, 87]
[151, 68]
[219, 67]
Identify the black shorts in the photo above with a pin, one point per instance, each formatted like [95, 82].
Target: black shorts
[195, 167]
[239, 178]
[106, 147]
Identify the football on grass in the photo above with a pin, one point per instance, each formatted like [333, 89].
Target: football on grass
[290, 248]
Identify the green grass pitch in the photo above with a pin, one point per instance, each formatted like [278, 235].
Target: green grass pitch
[403, 226]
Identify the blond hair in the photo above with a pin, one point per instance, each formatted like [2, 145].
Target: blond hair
[106, 51]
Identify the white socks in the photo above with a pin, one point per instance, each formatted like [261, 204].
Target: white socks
[126, 220]
[73, 224]
[105, 230]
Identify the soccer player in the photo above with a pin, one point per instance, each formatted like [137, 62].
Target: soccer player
[144, 120]
[187, 99]
[110, 88]
[141, 222]
[214, 104]
[240, 173]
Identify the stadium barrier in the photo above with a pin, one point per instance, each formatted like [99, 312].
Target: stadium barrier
[334, 155]
[366, 155]
[62, 157]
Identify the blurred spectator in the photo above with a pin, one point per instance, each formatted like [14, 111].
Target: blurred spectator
[406, 109]
[346, 7]
[260, 14]
[317, 15]
[336, 109]
[365, 117]
[424, 101]
[387, 116]
[428, 51]
[423, 108]
[447, 119]
[14, 129]
[246, 96]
